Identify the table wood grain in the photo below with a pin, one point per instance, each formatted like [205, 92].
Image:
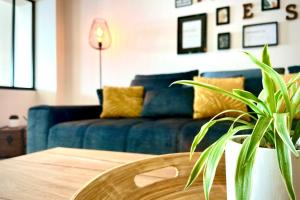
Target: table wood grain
[58, 173]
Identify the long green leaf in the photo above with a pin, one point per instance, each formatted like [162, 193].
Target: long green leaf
[295, 102]
[246, 94]
[215, 156]
[220, 91]
[294, 79]
[258, 133]
[275, 77]
[285, 165]
[251, 97]
[198, 167]
[269, 137]
[281, 126]
[204, 129]
[296, 135]
[243, 176]
[290, 84]
[268, 83]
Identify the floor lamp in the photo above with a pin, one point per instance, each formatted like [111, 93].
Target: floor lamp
[100, 39]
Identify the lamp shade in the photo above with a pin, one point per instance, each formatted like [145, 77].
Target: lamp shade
[99, 37]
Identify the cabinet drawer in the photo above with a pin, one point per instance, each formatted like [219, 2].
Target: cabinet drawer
[11, 144]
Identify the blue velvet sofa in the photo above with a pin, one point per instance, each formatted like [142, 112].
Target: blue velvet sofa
[81, 127]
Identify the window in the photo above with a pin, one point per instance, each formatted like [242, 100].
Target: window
[17, 44]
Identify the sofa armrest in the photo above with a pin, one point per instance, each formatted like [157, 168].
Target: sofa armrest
[42, 118]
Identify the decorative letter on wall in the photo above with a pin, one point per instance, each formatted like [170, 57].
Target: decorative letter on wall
[291, 9]
[247, 11]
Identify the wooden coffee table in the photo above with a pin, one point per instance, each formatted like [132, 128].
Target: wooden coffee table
[58, 173]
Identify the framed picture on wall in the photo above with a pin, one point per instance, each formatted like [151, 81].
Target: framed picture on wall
[191, 34]
[257, 35]
[223, 41]
[223, 15]
[270, 4]
[183, 3]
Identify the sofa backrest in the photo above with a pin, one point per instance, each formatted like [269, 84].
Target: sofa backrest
[294, 69]
[158, 81]
[161, 100]
[253, 77]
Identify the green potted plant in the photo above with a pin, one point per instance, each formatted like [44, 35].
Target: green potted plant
[263, 164]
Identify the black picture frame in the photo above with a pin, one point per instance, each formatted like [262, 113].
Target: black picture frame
[266, 5]
[202, 19]
[224, 41]
[183, 3]
[219, 13]
[262, 33]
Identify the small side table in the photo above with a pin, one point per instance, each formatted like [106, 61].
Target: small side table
[12, 141]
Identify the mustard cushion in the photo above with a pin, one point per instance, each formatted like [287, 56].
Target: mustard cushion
[208, 103]
[122, 102]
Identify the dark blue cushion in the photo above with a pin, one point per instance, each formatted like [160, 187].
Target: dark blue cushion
[155, 136]
[69, 134]
[169, 102]
[150, 82]
[253, 80]
[109, 134]
[294, 69]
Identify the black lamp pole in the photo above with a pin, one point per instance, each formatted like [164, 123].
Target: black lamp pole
[100, 64]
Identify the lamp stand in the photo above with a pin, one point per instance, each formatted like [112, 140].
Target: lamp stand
[100, 64]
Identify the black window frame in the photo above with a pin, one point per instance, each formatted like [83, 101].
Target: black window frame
[13, 48]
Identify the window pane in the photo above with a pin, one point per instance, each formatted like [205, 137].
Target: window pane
[23, 44]
[6, 43]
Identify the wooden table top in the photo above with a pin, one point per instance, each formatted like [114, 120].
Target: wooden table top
[58, 173]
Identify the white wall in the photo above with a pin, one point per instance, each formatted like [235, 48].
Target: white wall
[11, 101]
[46, 51]
[17, 101]
[144, 35]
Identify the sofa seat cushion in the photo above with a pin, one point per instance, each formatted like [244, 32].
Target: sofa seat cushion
[155, 136]
[69, 134]
[109, 134]
[191, 129]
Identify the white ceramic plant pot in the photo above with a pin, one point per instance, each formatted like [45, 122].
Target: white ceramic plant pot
[267, 182]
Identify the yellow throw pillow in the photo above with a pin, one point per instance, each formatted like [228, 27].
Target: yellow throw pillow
[208, 103]
[122, 102]
[288, 77]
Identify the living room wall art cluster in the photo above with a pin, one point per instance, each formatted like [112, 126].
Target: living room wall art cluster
[192, 30]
